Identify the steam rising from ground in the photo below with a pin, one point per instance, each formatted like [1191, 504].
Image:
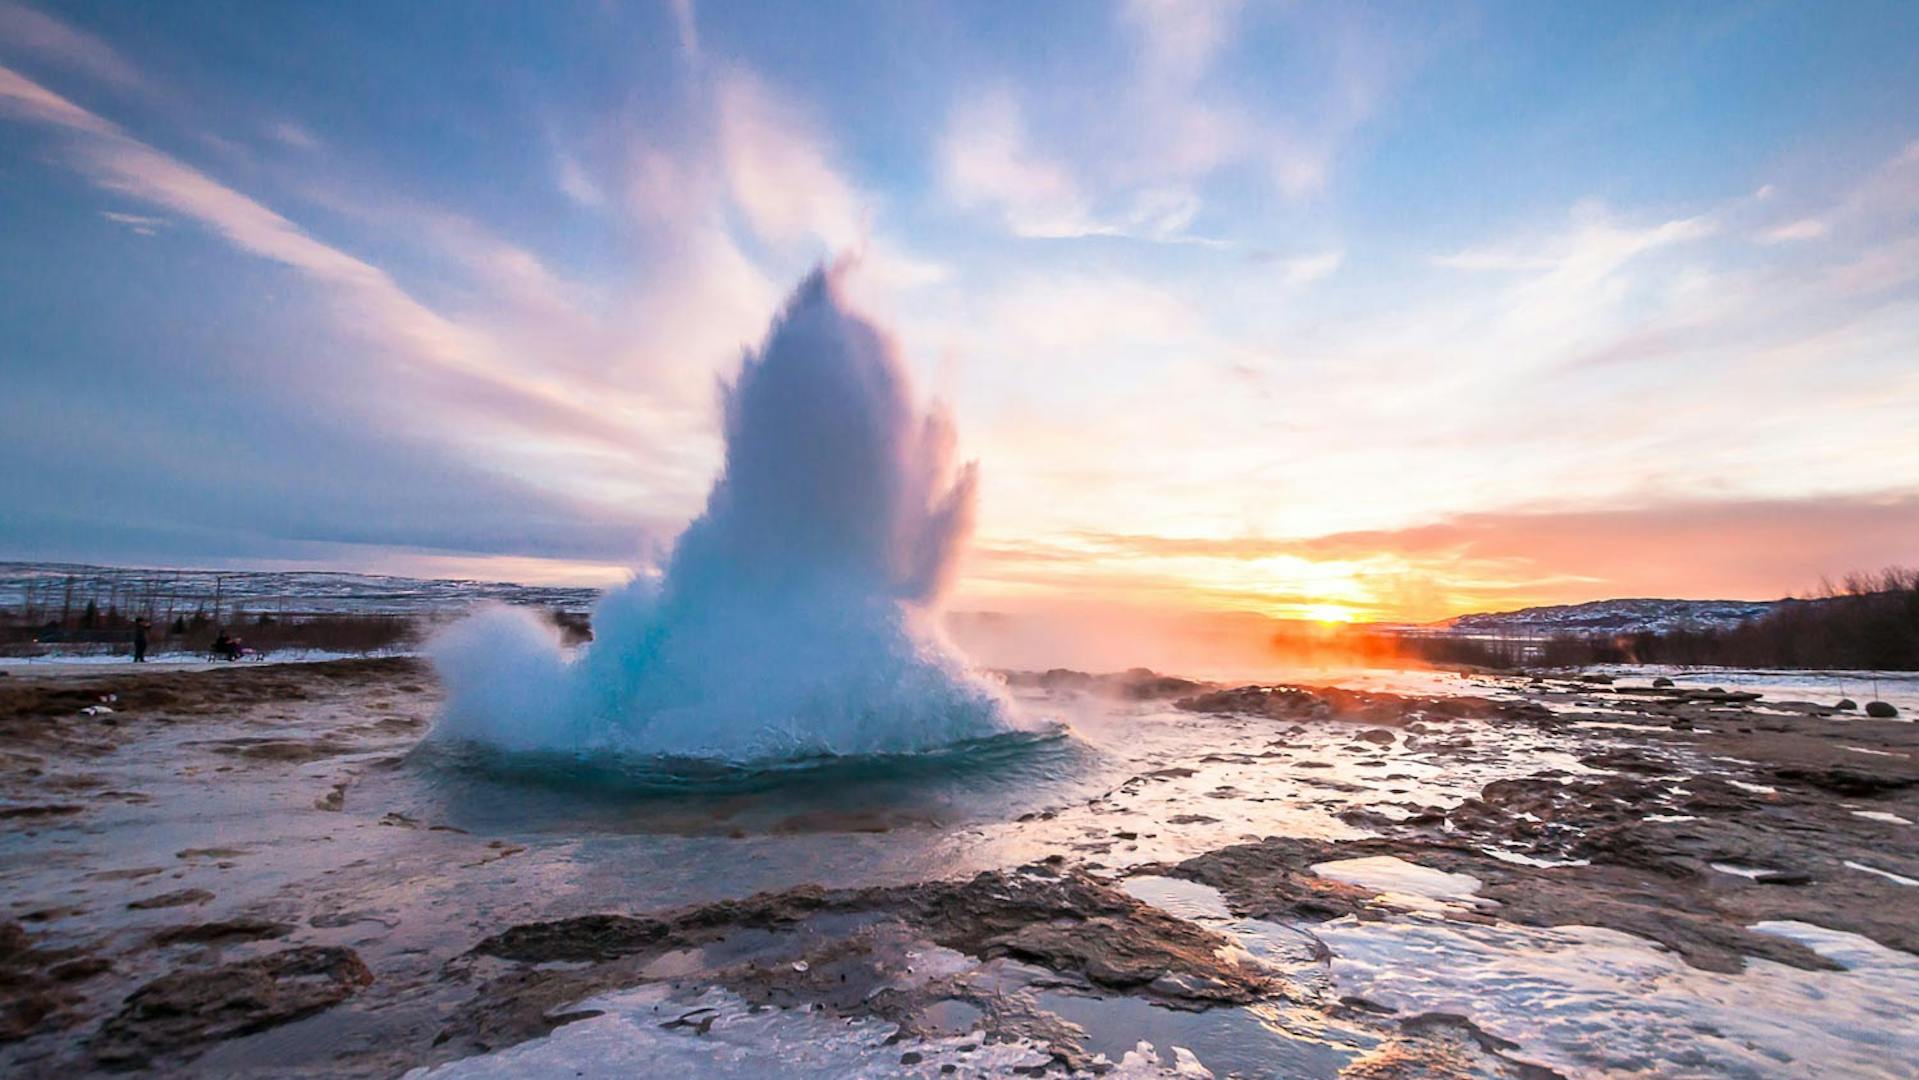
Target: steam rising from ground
[797, 615]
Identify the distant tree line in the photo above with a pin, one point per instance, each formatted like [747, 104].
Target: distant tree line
[1867, 621]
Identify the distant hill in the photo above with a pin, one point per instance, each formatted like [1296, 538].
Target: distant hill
[1613, 617]
[50, 586]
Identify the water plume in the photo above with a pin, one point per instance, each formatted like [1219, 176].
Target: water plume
[797, 616]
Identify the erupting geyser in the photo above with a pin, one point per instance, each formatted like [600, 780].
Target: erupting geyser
[797, 615]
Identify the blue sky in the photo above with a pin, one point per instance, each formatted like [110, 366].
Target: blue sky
[1394, 309]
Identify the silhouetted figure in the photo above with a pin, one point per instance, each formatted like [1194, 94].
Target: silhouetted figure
[226, 647]
[139, 641]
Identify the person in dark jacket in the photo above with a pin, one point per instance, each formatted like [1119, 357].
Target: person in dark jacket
[139, 641]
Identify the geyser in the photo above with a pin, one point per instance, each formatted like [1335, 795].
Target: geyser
[797, 615]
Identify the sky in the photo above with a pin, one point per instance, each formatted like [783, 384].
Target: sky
[1333, 311]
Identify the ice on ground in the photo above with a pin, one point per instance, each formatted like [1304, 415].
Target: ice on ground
[1887, 874]
[653, 1031]
[1589, 1001]
[188, 661]
[1751, 873]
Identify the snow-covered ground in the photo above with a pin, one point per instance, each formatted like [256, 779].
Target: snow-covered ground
[181, 661]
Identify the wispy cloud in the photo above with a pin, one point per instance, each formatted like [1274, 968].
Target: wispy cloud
[988, 163]
[686, 23]
[777, 172]
[288, 133]
[1305, 269]
[25, 30]
[139, 223]
[125, 166]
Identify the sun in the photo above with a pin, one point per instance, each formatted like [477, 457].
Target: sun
[1329, 613]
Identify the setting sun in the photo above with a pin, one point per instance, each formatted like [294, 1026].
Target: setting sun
[1329, 613]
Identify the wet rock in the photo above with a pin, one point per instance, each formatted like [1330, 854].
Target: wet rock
[35, 993]
[223, 932]
[79, 970]
[289, 751]
[1629, 761]
[1881, 710]
[1661, 683]
[1376, 736]
[38, 810]
[1133, 684]
[179, 898]
[1062, 919]
[589, 937]
[1853, 781]
[1272, 879]
[335, 798]
[1068, 921]
[1846, 703]
[179, 1014]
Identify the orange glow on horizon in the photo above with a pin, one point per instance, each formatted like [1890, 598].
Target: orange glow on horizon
[1329, 613]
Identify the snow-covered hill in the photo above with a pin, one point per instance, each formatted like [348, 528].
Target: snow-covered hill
[1613, 617]
[52, 586]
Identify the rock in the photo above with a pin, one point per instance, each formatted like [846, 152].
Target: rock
[1661, 683]
[223, 932]
[179, 898]
[1062, 919]
[1376, 736]
[1271, 879]
[1882, 710]
[587, 938]
[181, 1013]
[35, 995]
[1846, 703]
[80, 970]
[1851, 780]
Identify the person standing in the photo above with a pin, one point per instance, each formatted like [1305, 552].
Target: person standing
[139, 641]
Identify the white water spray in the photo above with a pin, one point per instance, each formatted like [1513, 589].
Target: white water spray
[797, 615]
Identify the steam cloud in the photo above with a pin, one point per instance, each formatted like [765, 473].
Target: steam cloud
[797, 615]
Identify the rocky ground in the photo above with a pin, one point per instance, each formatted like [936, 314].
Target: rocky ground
[238, 872]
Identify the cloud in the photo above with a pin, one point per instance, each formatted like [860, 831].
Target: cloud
[42, 35]
[1305, 269]
[1594, 247]
[575, 183]
[1180, 38]
[291, 134]
[1509, 558]
[28, 100]
[466, 363]
[139, 223]
[987, 163]
[1803, 229]
[777, 172]
[686, 23]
